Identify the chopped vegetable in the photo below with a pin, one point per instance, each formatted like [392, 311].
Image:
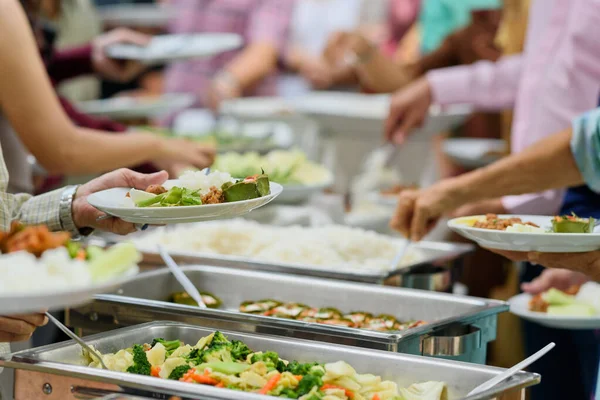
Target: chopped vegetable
[178, 372]
[270, 384]
[170, 345]
[572, 224]
[141, 365]
[262, 372]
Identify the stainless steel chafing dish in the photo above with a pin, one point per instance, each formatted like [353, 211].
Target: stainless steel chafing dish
[437, 253]
[460, 327]
[57, 371]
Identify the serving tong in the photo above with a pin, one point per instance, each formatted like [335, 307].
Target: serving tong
[183, 280]
[76, 338]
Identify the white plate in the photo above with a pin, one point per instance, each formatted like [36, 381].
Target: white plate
[137, 15]
[293, 194]
[137, 107]
[164, 49]
[473, 153]
[258, 108]
[23, 303]
[517, 241]
[112, 202]
[519, 305]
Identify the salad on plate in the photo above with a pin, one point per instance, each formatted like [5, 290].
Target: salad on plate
[196, 188]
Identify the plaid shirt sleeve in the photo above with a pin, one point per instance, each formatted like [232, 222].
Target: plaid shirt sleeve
[31, 210]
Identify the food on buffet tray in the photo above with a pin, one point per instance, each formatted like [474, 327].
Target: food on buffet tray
[572, 224]
[209, 299]
[216, 138]
[326, 315]
[230, 364]
[331, 246]
[397, 189]
[282, 166]
[197, 188]
[562, 303]
[36, 260]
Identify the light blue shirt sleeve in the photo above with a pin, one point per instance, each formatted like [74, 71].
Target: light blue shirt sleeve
[585, 146]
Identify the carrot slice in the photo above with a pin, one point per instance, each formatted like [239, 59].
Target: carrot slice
[270, 384]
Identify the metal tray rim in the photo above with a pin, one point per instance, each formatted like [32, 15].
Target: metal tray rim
[25, 359]
[453, 250]
[484, 308]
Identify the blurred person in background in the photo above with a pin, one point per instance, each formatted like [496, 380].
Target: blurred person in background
[554, 79]
[96, 153]
[313, 21]
[250, 71]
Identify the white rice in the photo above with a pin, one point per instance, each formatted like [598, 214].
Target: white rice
[524, 229]
[198, 180]
[55, 271]
[335, 247]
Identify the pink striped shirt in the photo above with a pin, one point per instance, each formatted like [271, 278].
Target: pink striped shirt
[255, 20]
[555, 79]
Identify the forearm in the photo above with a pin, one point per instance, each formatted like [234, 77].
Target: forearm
[546, 165]
[97, 151]
[254, 64]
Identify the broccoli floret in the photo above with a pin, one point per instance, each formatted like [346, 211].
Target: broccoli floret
[217, 352]
[140, 366]
[178, 372]
[195, 356]
[297, 368]
[270, 358]
[239, 350]
[219, 338]
[289, 394]
[307, 383]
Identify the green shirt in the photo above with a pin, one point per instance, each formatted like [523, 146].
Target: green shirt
[439, 18]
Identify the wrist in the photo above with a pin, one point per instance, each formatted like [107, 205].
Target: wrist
[70, 218]
[226, 82]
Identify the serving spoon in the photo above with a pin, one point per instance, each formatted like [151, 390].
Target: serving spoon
[76, 338]
[510, 372]
[400, 254]
[183, 280]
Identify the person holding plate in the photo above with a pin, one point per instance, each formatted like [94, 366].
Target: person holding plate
[568, 158]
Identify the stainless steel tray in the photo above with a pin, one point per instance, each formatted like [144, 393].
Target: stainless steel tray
[65, 359]
[434, 252]
[460, 326]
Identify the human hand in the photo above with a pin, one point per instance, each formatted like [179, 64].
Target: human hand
[18, 328]
[86, 216]
[418, 211]
[347, 48]
[224, 87]
[117, 70]
[585, 263]
[186, 152]
[317, 72]
[173, 168]
[561, 279]
[408, 110]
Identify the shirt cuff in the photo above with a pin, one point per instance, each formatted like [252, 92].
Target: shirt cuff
[544, 203]
[450, 85]
[42, 210]
[585, 147]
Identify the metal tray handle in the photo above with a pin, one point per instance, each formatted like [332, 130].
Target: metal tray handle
[452, 342]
